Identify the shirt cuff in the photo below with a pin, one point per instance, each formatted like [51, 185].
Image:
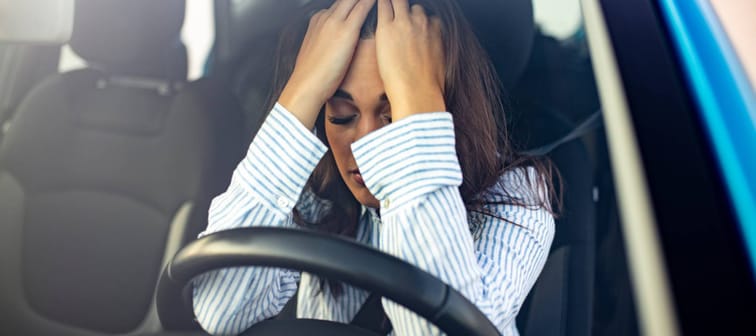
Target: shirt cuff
[280, 160]
[409, 158]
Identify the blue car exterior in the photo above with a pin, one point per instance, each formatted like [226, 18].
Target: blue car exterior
[726, 103]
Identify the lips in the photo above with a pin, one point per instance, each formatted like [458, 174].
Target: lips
[357, 176]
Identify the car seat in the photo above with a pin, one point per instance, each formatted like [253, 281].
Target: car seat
[106, 172]
[21, 68]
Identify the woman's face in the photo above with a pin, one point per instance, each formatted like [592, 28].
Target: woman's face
[359, 107]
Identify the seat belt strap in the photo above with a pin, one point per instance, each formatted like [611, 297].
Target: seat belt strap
[289, 311]
[372, 317]
[589, 124]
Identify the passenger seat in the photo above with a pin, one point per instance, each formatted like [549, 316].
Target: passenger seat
[106, 172]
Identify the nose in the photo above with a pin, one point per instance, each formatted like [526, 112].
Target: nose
[366, 125]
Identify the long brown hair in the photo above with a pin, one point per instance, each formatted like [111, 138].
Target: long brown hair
[473, 96]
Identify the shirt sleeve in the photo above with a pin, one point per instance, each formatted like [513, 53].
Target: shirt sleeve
[264, 189]
[412, 168]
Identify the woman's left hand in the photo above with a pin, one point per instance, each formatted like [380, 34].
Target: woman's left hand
[410, 58]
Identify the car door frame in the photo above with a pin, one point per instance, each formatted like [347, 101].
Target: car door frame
[687, 260]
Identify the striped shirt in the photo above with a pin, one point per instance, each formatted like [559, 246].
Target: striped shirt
[411, 167]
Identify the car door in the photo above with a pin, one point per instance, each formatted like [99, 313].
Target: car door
[680, 124]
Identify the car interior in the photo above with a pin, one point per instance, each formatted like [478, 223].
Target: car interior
[107, 171]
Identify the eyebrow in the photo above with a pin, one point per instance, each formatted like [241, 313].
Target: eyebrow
[346, 95]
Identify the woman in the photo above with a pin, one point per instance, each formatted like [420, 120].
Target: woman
[386, 166]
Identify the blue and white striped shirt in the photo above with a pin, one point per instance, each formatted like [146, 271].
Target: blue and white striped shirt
[412, 168]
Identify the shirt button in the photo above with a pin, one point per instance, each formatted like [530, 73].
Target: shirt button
[386, 203]
[283, 202]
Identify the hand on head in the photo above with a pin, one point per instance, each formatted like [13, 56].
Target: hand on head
[409, 53]
[410, 58]
[324, 57]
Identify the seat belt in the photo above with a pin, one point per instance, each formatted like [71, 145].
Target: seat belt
[589, 124]
[372, 317]
[289, 311]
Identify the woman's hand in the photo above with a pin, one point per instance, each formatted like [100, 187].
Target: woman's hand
[324, 58]
[410, 58]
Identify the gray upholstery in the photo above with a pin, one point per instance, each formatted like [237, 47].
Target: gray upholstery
[561, 302]
[96, 167]
[506, 30]
[549, 303]
[130, 37]
[97, 176]
[21, 68]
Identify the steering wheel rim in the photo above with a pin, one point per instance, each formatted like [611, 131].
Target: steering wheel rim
[323, 255]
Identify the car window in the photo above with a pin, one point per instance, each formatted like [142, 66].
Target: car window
[558, 18]
[69, 60]
[198, 35]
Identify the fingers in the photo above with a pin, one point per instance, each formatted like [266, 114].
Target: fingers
[388, 10]
[385, 11]
[360, 12]
[341, 8]
[401, 8]
[317, 16]
[418, 12]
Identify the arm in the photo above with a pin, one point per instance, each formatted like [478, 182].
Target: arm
[412, 168]
[263, 191]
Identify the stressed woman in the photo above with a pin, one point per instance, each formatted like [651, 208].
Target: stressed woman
[409, 154]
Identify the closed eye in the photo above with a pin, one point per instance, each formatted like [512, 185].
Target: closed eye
[340, 121]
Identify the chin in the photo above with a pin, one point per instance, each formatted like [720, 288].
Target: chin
[366, 198]
[372, 203]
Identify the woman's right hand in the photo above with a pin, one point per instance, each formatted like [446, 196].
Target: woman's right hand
[324, 58]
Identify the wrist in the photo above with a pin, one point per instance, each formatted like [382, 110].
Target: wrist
[301, 103]
[416, 102]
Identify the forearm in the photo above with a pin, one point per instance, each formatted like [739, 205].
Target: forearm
[264, 189]
[412, 168]
[434, 236]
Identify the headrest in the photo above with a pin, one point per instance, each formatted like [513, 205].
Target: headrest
[131, 37]
[506, 29]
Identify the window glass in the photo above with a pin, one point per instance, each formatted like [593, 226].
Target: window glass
[557, 18]
[198, 34]
[69, 60]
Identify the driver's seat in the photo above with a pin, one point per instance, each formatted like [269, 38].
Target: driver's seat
[103, 171]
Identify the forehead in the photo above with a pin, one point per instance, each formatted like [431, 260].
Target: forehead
[363, 79]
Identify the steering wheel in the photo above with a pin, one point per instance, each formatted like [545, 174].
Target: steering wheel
[323, 255]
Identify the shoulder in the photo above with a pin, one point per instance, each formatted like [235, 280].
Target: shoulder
[521, 197]
[523, 185]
